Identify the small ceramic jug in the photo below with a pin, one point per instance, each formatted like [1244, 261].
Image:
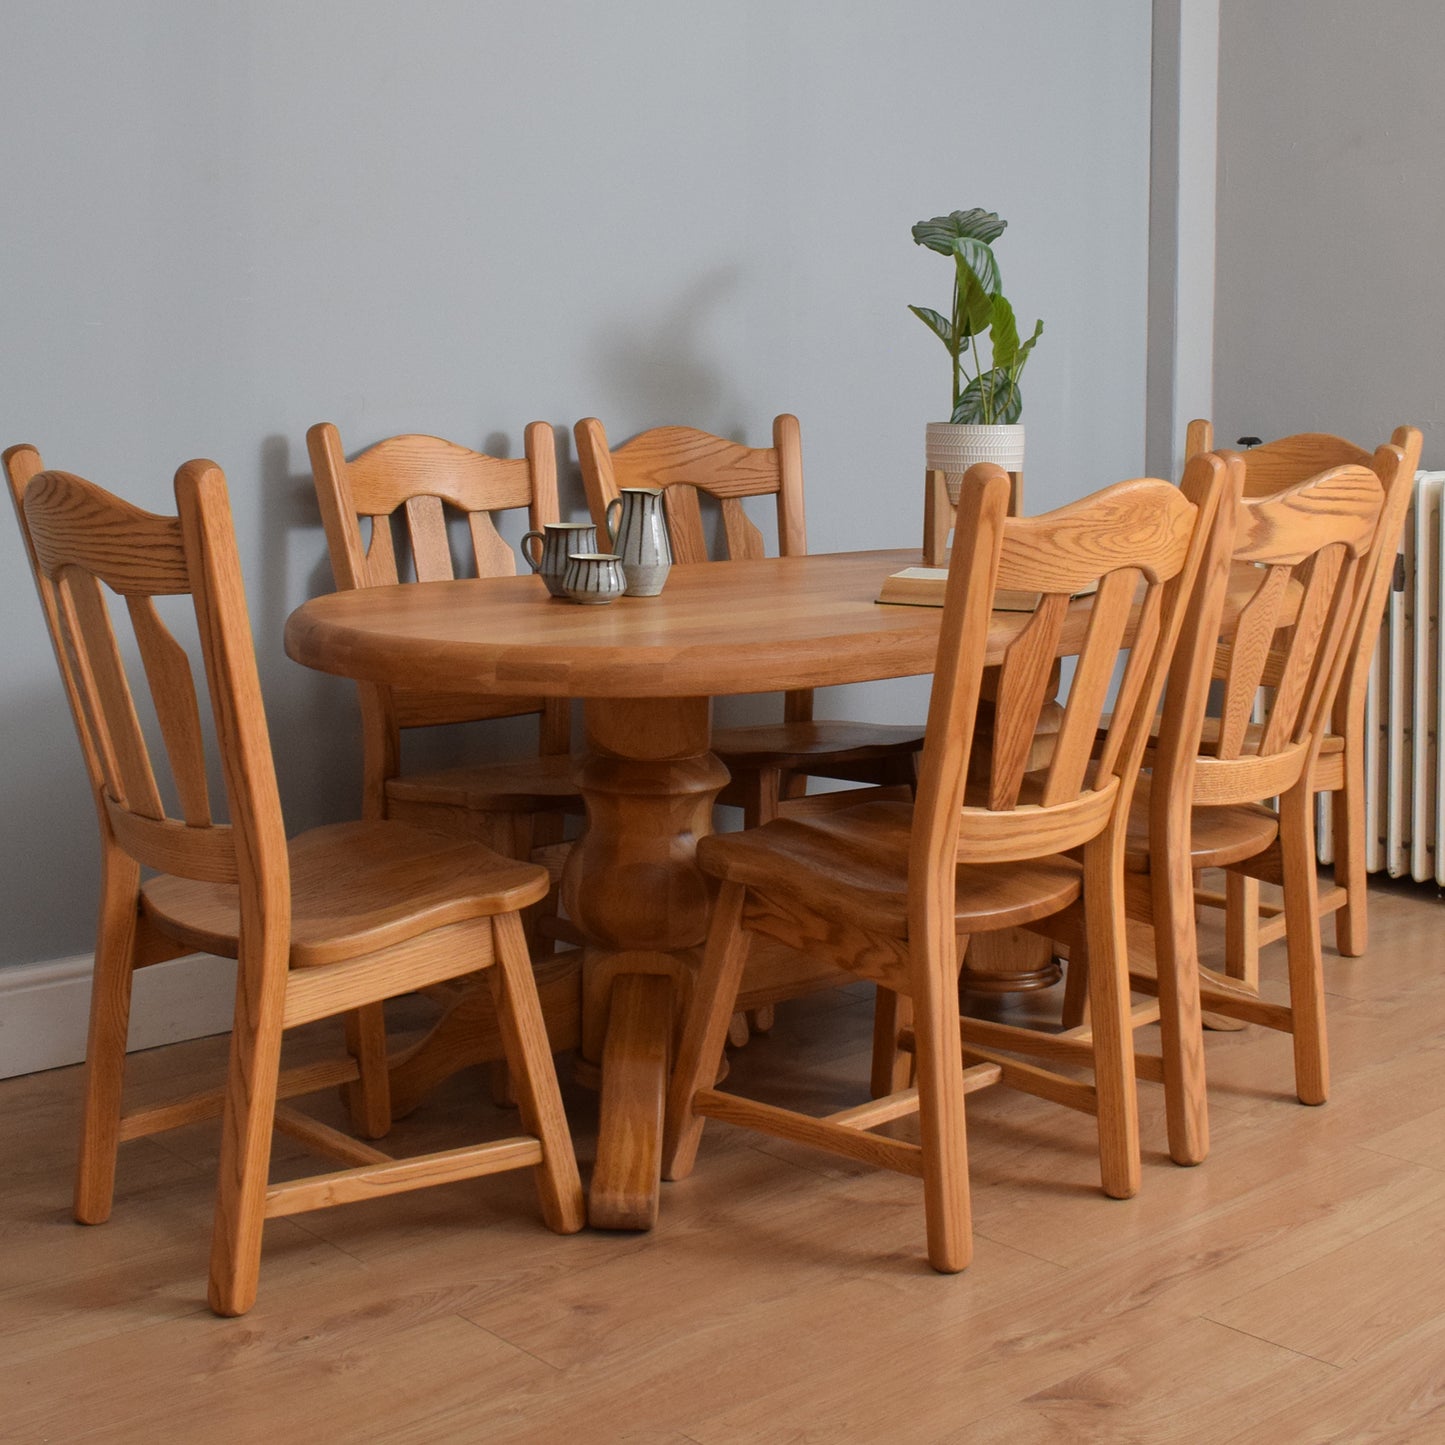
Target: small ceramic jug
[595, 577]
[639, 536]
[556, 542]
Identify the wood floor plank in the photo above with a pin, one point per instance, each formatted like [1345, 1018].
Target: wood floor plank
[1161, 1390]
[1287, 1289]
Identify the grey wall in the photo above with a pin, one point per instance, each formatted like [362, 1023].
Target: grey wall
[228, 222]
[1330, 286]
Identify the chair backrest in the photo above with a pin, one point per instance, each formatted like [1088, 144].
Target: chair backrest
[682, 462]
[1271, 467]
[83, 542]
[1143, 546]
[416, 479]
[1277, 662]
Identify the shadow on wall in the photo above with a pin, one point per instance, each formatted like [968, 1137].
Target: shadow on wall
[313, 718]
[49, 856]
[659, 374]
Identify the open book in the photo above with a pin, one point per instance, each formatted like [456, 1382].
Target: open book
[924, 587]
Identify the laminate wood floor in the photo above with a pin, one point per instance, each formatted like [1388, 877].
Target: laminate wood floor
[1290, 1289]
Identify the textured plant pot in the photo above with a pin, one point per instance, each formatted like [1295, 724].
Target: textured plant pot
[953, 447]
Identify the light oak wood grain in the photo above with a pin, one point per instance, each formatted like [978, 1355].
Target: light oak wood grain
[769, 763]
[335, 921]
[1339, 768]
[892, 892]
[778, 1267]
[406, 484]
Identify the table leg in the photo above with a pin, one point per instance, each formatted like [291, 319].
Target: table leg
[633, 888]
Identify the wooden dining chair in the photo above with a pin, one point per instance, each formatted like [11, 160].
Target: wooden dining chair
[336, 919]
[1340, 767]
[1276, 666]
[770, 763]
[893, 892]
[400, 491]
[512, 804]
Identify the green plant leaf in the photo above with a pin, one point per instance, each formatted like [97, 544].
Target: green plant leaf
[941, 232]
[1004, 332]
[1027, 347]
[975, 304]
[992, 399]
[939, 325]
[979, 258]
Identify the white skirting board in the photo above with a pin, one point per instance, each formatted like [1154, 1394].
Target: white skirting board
[44, 1008]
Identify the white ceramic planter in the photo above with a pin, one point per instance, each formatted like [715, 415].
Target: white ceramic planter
[953, 447]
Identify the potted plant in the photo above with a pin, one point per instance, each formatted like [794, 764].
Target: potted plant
[984, 423]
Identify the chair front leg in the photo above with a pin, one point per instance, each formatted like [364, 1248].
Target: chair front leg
[246, 1126]
[704, 1031]
[110, 992]
[1111, 1021]
[534, 1076]
[939, 1070]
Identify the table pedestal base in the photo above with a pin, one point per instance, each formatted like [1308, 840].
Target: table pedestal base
[633, 887]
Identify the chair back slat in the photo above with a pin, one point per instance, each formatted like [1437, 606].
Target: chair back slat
[379, 565]
[109, 706]
[173, 690]
[1089, 690]
[493, 556]
[1246, 657]
[426, 529]
[684, 524]
[1308, 651]
[1026, 680]
[744, 540]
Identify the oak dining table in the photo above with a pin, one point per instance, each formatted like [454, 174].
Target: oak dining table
[645, 671]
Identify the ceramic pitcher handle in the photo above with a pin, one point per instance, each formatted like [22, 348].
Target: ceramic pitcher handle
[609, 523]
[534, 563]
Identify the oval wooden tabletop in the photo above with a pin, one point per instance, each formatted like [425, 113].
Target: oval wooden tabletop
[718, 628]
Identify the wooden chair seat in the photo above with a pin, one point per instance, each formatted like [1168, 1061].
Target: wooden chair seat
[1218, 836]
[856, 863]
[355, 888]
[793, 746]
[539, 784]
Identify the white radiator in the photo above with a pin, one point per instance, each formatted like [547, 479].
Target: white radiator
[1404, 799]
